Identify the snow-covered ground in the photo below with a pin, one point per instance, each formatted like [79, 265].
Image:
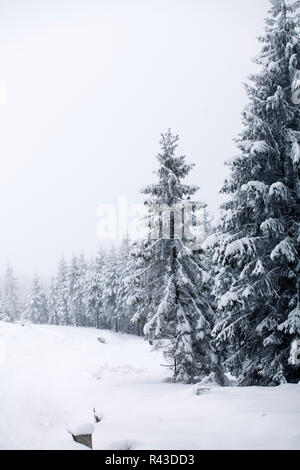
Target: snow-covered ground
[52, 376]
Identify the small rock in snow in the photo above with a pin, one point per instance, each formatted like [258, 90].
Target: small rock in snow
[198, 389]
[101, 340]
[97, 416]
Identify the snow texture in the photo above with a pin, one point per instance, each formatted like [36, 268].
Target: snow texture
[81, 427]
[227, 299]
[296, 152]
[295, 353]
[54, 375]
[284, 249]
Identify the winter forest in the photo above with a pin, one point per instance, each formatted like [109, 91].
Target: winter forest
[226, 313]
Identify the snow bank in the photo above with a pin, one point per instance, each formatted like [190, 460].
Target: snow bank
[52, 376]
[79, 428]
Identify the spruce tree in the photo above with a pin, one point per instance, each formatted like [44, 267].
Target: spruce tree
[10, 306]
[110, 288]
[52, 304]
[134, 281]
[124, 311]
[62, 295]
[257, 250]
[74, 285]
[78, 286]
[169, 282]
[92, 290]
[36, 310]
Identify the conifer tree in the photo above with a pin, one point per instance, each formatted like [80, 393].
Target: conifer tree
[124, 312]
[52, 304]
[169, 281]
[134, 281]
[257, 249]
[110, 288]
[73, 281]
[92, 292]
[10, 306]
[78, 291]
[62, 295]
[36, 310]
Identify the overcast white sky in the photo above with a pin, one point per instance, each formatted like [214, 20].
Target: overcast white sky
[89, 87]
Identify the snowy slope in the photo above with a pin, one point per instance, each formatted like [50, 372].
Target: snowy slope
[53, 376]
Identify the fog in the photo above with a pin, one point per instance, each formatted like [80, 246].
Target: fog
[86, 88]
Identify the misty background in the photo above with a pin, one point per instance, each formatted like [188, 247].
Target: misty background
[87, 87]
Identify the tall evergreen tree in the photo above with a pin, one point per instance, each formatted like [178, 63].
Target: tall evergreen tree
[52, 304]
[134, 282]
[257, 250]
[170, 277]
[36, 309]
[124, 311]
[110, 287]
[62, 295]
[10, 306]
[78, 291]
[74, 284]
[92, 292]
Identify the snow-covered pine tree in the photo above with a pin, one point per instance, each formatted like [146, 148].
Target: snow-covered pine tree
[36, 310]
[10, 306]
[92, 291]
[257, 250]
[110, 287]
[170, 278]
[124, 312]
[62, 295]
[134, 282]
[74, 285]
[52, 304]
[78, 305]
